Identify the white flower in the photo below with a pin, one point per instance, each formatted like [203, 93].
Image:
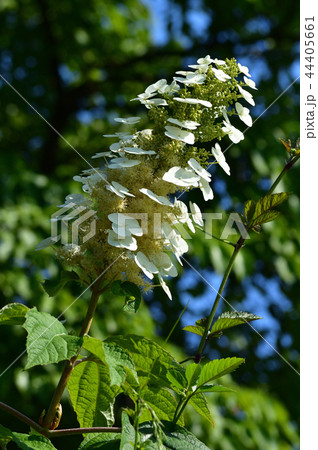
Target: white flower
[165, 287]
[246, 95]
[179, 135]
[128, 120]
[220, 158]
[191, 78]
[196, 214]
[244, 114]
[129, 242]
[181, 177]
[124, 225]
[118, 189]
[118, 163]
[199, 169]
[206, 60]
[76, 199]
[206, 189]
[234, 134]
[183, 216]
[244, 69]
[189, 124]
[145, 265]
[250, 83]
[103, 155]
[159, 86]
[155, 102]
[220, 75]
[116, 146]
[165, 265]
[200, 68]
[218, 62]
[138, 151]
[157, 198]
[193, 101]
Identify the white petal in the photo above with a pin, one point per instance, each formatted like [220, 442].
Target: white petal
[45, 243]
[122, 189]
[220, 75]
[102, 155]
[181, 177]
[246, 95]
[193, 101]
[138, 151]
[157, 198]
[196, 214]
[146, 266]
[180, 135]
[244, 69]
[250, 83]
[117, 163]
[206, 190]
[129, 242]
[128, 120]
[220, 158]
[198, 169]
[160, 84]
[189, 124]
[125, 222]
[164, 287]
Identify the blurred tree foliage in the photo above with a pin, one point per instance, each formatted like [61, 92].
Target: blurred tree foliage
[78, 64]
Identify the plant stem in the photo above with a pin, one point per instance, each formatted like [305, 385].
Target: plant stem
[292, 160]
[203, 341]
[55, 433]
[237, 247]
[70, 364]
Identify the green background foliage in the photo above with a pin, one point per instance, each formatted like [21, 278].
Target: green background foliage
[79, 64]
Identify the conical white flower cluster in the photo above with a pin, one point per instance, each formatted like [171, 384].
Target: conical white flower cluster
[138, 217]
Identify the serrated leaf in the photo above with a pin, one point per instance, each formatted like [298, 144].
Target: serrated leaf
[249, 209]
[91, 395]
[264, 210]
[151, 360]
[101, 441]
[192, 373]
[232, 319]
[173, 437]
[200, 404]
[114, 356]
[13, 314]
[128, 434]
[194, 329]
[48, 341]
[161, 401]
[25, 441]
[217, 368]
[130, 292]
[214, 388]
[177, 379]
[52, 287]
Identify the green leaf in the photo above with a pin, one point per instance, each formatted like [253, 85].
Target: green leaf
[13, 314]
[25, 441]
[217, 368]
[52, 287]
[151, 360]
[192, 373]
[177, 379]
[130, 292]
[232, 319]
[173, 437]
[114, 356]
[194, 329]
[161, 401]
[264, 209]
[128, 434]
[199, 403]
[91, 395]
[101, 441]
[214, 388]
[48, 341]
[249, 209]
